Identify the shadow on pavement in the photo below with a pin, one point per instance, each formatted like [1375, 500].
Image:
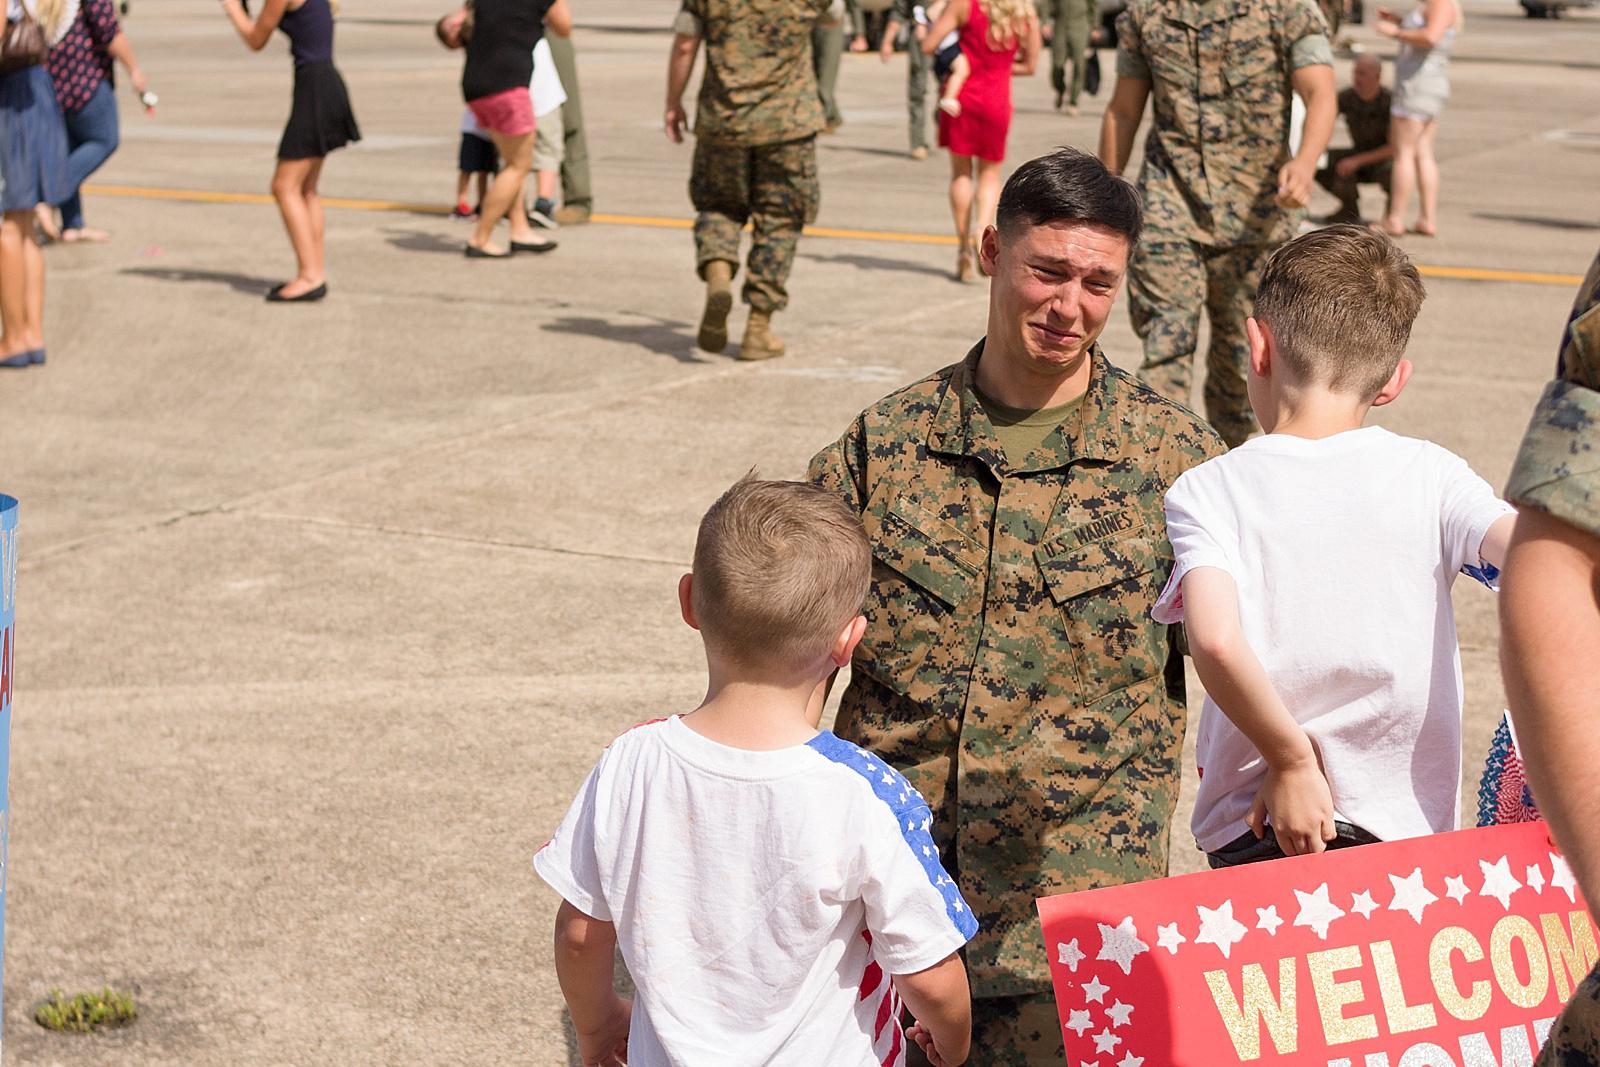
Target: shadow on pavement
[422, 241]
[878, 263]
[240, 283]
[661, 336]
[1539, 220]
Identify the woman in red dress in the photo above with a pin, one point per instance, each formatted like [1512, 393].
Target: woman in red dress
[999, 38]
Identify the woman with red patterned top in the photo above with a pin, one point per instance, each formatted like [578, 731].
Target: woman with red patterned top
[81, 71]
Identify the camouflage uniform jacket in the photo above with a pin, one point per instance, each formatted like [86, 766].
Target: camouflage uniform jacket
[1010, 667]
[1220, 98]
[759, 87]
[1558, 466]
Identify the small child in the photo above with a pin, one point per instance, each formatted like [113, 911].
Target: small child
[950, 66]
[1313, 573]
[762, 879]
[478, 160]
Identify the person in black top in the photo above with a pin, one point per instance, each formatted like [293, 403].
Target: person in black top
[494, 82]
[1365, 107]
[320, 121]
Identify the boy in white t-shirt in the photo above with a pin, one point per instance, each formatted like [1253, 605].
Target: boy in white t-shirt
[1313, 573]
[774, 890]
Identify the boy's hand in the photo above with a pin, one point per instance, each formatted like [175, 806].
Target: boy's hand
[1297, 800]
[607, 1044]
[923, 1038]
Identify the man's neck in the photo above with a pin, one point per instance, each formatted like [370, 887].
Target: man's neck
[1032, 392]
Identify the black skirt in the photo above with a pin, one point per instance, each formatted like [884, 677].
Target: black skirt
[321, 119]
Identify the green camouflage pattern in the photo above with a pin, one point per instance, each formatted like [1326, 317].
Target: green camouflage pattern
[1558, 466]
[827, 52]
[1010, 667]
[1011, 1032]
[758, 86]
[1070, 23]
[1168, 283]
[1575, 1041]
[774, 186]
[1220, 97]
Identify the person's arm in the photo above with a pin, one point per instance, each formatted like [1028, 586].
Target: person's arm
[952, 18]
[1348, 166]
[1438, 18]
[1027, 60]
[1549, 631]
[1295, 794]
[122, 52]
[1315, 85]
[941, 1003]
[679, 65]
[255, 34]
[1497, 541]
[891, 30]
[1123, 114]
[584, 954]
[558, 19]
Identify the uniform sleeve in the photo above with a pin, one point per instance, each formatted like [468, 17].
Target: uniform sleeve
[1193, 523]
[568, 862]
[837, 468]
[1468, 507]
[1313, 50]
[688, 21]
[1307, 33]
[1558, 466]
[915, 912]
[1131, 62]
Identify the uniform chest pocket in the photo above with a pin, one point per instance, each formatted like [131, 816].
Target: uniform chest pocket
[1105, 591]
[1254, 79]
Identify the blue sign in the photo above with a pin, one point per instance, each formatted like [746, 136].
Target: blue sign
[8, 644]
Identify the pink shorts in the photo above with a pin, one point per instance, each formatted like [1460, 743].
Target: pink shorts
[509, 113]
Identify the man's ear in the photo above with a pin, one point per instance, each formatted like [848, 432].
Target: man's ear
[989, 250]
[686, 599]
[1263, 349]
[844, 645]
[1397, 381]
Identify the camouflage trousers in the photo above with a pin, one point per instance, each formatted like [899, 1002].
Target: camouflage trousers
[773, 187]
[1575, 1041]
[1169, 282]
[1069, 43]
[1022, 1031]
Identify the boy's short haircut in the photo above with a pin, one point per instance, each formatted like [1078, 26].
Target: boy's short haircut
[779, 569]
[1340, 302]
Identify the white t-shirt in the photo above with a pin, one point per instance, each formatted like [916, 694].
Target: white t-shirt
[1343, 550]
[759, 897]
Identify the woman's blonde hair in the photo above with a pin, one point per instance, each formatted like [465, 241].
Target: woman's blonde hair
[1008, 19]
[48, 14]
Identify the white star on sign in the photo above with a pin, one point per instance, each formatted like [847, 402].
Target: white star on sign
[1411, 895]
[1169, 938]
[1317, 911]
[1363, 904]
[1561, 876]
[1120, 944]
[1498, 881]
[1095, 991]
[1219, 927]
[1267, 919]
[1078, 1021]
[1535, 876]
[1121, 1014]
[1130, 1060]
[1069, 955]
[1456, 889]
[1106, 1041]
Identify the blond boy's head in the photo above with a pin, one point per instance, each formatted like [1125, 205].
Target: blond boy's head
[780, 568]
[1339, 303]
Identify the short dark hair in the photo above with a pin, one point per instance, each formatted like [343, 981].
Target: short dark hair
[1069, 185]
[1340, 302]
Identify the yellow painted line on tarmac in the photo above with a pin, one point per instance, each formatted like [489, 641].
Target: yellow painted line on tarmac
[206, 196]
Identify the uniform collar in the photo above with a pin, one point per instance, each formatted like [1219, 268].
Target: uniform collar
[1197, 13]
[960, 426]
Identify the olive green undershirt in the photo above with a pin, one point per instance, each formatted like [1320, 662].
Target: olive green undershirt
[1021, 431]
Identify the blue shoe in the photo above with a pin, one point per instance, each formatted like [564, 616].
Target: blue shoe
[35, 355]
[21, 359]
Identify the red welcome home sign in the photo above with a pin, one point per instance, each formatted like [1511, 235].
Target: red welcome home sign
[1456, 950]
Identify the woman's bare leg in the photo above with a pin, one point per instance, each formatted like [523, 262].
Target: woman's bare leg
[961, 210]
[988, 195]
[303, 220]
[1427, 181]
[504, 197]
[1403, 132]
[21, 272]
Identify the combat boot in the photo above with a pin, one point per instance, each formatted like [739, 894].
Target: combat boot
[759, 340]
[713, 336]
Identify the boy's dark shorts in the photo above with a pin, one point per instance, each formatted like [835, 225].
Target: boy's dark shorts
[478, 155]
[944, 59]
[1246, 848]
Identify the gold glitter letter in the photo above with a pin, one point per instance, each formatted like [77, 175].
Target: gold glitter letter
[1402, 1016]
[1569, 955]
[1454, 939]
[1244, 1020]
[1333, 996]
[1516, 928]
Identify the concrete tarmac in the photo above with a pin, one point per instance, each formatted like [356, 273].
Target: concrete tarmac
[326, 610]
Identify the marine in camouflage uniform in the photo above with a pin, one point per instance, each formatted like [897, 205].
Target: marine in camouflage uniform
[1010, 667]
[1070, 23]
[755, 132]
[903, 13]
[1218, 73]
[1558, 472]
